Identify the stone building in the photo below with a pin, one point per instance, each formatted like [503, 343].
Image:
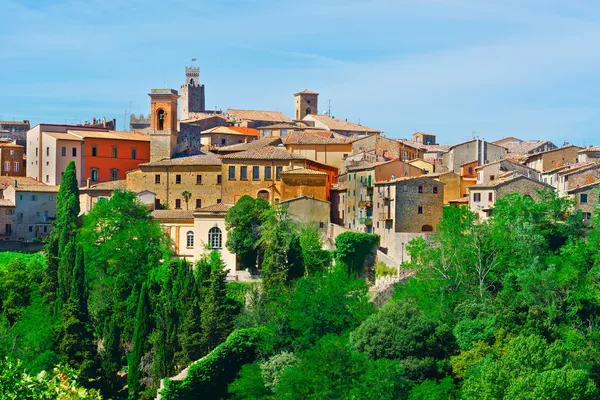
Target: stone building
[586, 199]
[34, 210]
[163, 123]
[483, 197]
[321, 146]
[15, 130]
[572, 177]
[589, 154]
[192, 93]
[221, 136]
[492, 171]
[452, 185]
[199, 175]
[551, 159]
[389, 149]
[515, 146]
[307, 209]
[342, 127]
[280, 130]
[179, 226]
[473, 150]
[7, 219]
[256, 118]
[190, 131]
[338, 203]
[424, 138]
[305, 103]
[90, 194]
[12, 162]
[359, 182]
[253, 145]
[406, 208]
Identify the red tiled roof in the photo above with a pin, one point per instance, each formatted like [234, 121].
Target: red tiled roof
[265, 153]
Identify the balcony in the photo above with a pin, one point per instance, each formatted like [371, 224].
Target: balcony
[365, 204]
[369, 221]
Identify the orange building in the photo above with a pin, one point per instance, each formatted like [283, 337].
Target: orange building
[11, 160]
[108, 156]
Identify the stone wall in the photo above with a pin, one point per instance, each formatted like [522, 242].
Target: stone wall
[293, 186]
[408, 200]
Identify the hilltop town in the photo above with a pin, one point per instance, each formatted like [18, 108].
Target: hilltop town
[190, 165]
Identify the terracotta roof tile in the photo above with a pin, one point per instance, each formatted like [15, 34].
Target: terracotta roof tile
[265, 153]
[202, 159]
[589, 148]
[255, 144]
[37, 188]
[303, 171]
[341, 125]
[305, 91]
[21, 180]
[111, 185]
[315, 137]
[221, 207]
[584, 187]
[114, 135]
[232, 130]
[258, 115]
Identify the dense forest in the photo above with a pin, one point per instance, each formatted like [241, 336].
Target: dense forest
[502, 309]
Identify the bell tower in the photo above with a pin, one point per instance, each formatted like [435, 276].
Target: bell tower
[163, 123]
[192, 93]
[305, 103]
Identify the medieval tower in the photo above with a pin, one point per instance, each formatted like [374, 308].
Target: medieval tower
[305, 103]
[192, 93]
[163, 123]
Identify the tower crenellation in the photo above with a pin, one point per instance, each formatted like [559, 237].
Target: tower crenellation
[192, 93]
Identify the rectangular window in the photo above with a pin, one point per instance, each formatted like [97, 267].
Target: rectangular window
[255, 173]
[50, 198]
[278, 171]
[115, 152]
[477, 197]
[133, 153]
[491, 196]
[47, 178]
[7, 166]
[198, 203]
[583, 198]
[74, 151]
[156, 179]
[178, 203]
[33, 197]
[178, 179]
[198, 179]
[47, 151]
[219, 179]
[218, 201]
[231, 173]
[435, 190]
[244, 173]
[114, 174]
[420, 189]
[420, 210]
[94, 150]
[94, 175]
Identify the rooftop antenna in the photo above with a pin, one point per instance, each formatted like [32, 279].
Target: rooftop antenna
[329, 109]
[129, 113]
[124, 122]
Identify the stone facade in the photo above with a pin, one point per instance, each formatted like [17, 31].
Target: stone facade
[11, 160]
[474, 150]
[385, 147]
[492, 171]
[577, 176]
[586, 199]
[552, 159]
[305, 103]
[589, 154]
[408, 205]
[483, 197]
[330, 154]
[192, 93]
[168, 182]
[189, 136]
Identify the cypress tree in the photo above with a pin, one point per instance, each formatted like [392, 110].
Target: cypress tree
[61, 244]
[142, 329]
[75, 337]
[190, 329]
[218, 312]
[111, 360]
[164, 337]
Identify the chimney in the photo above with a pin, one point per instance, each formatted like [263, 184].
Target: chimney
[16, 182]
[93, 121]
[87, 183]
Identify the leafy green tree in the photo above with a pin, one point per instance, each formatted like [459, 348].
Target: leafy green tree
[250, 384]
[245, 222]
[123, 244]
[60, 247]
[143, 328]
[433, 390]
[353, 249]
[274, 367]
[15, 289]
[218, 310]
[315, 258]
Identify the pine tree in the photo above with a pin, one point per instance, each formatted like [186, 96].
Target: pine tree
[75, 337]
[61, 244]
[218, 311]
[142, 329]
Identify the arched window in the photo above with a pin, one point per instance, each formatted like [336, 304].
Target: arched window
[427, 228]
[215, 238]
[191, 81]
[308, 110]
[190, 239]
[160, 117]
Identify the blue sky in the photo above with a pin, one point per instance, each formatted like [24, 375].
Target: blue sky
[526, 68]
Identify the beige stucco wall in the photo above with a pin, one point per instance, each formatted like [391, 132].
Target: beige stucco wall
[310, 210]
[177, 231]
[424, 165]
[202, 224]
[554, 159]
[330, 154]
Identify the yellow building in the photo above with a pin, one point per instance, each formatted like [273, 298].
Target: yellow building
[426, 166]
[322, 146]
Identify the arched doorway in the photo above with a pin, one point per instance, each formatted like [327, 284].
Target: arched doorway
[427, 228]
[263, 194]
[160, 118]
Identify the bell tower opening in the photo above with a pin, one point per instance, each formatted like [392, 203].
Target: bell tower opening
[160, 119]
